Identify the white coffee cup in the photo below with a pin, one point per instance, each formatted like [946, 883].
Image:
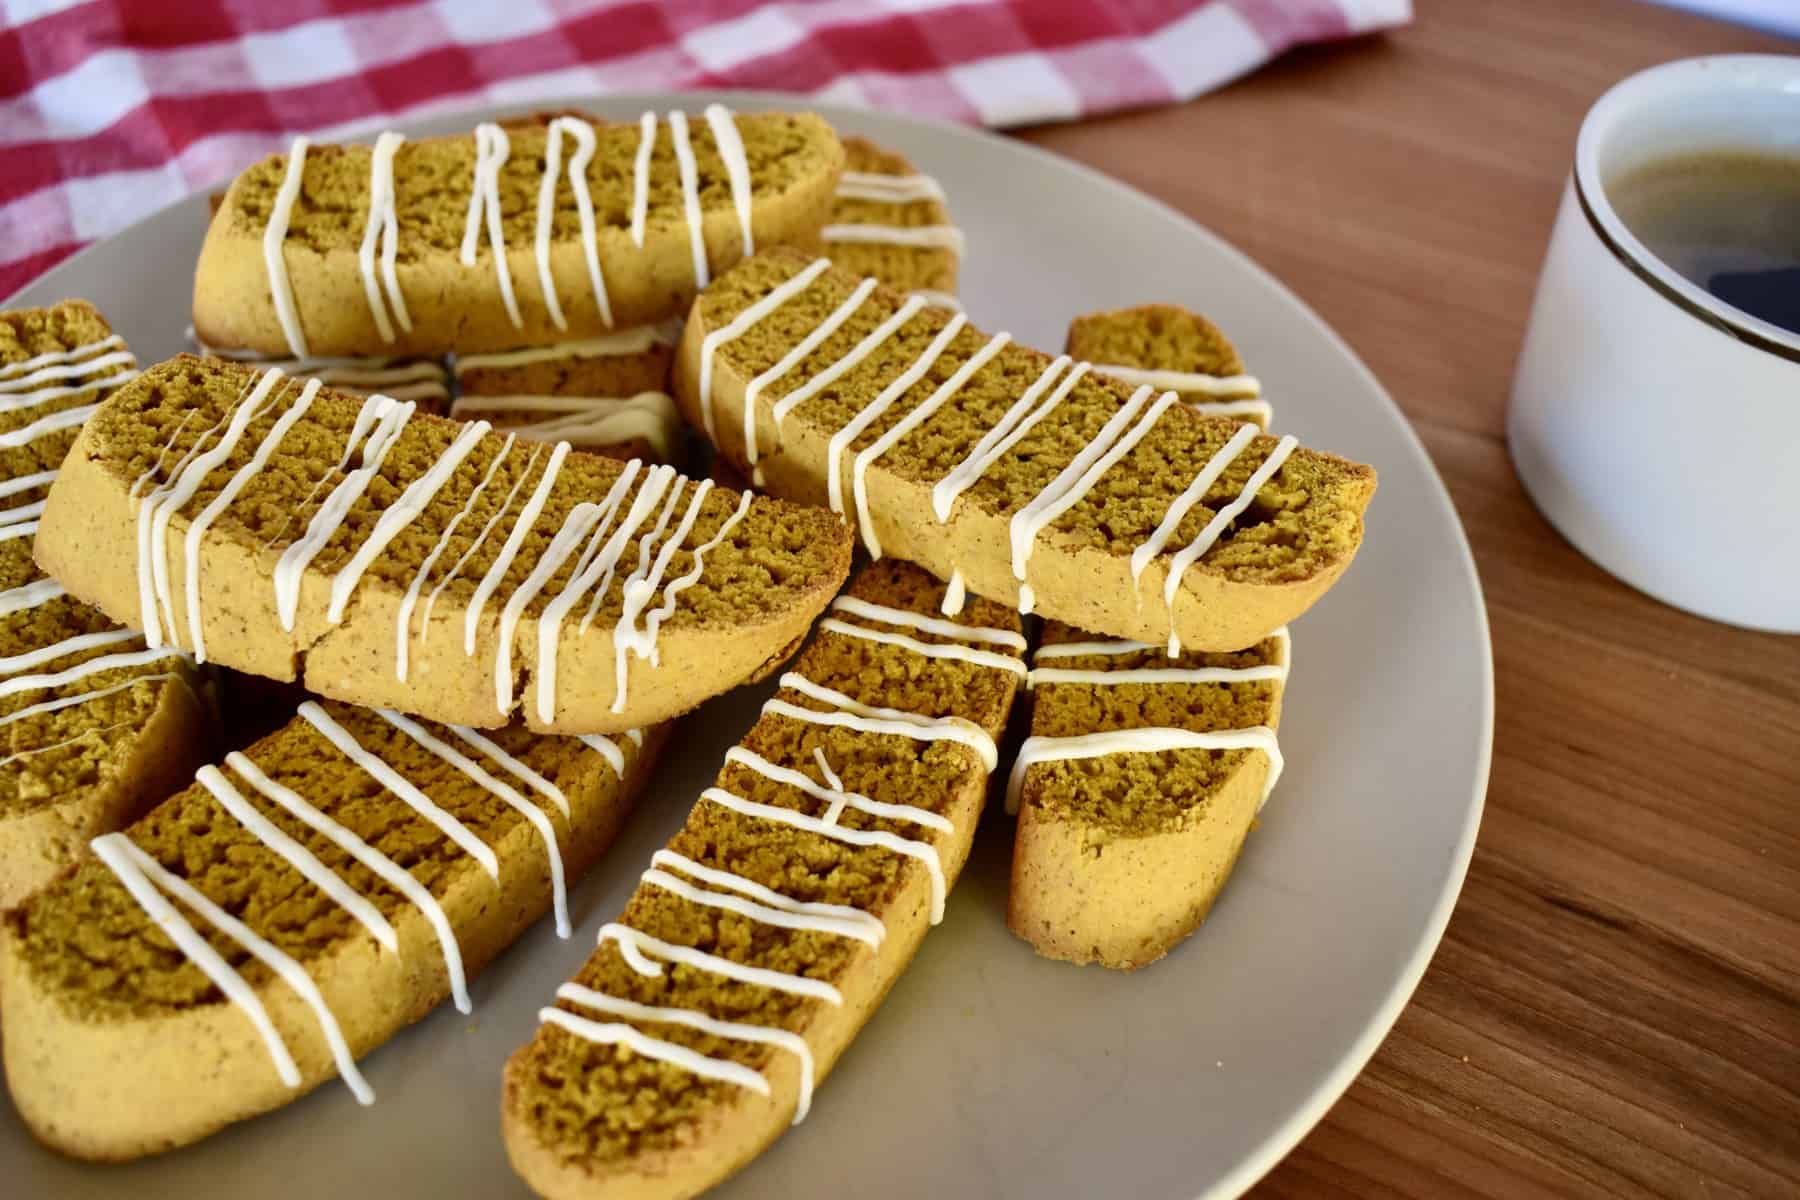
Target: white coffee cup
[1656, 426]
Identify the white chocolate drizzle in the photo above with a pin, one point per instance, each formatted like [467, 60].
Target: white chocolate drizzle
[617, 1033]
[146, 880]
[509, 549]
[640, 177]
[47, 382]
[638, 339]
[57, 359]
[859, 469]
[1013, 425]
[868, 718]
[927, 237]
[583, 133]
[884, 400]
[1190, 496]
[968, 654]
[1217, 526]
[491, 150]
[1152, 740]
[1237, 386]
[924, 852]
[711, 1068]
[740, 325]
[951, 629]
[403, 620]
[636, 946]
[730, 144]
[385, 420]
[939, 299]
[788, 362]
[888, 189]
[504, 792]
[835, 796]
[384, 868]
[299, 857]
[281, 289]
[1062, 493]
[1275, 671]
[397, 516]
[56, 422]
[81, 670]
[395, 783]
[30, 595]
[779, 911]
[956, 594]
[690, 194]
[158, 509]
[383, 222]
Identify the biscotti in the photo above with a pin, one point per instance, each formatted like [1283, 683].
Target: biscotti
[607, 394]
[764, 935]
[1122, 508]
[515, 236]
[94, 726]
[892, 222]
[262, 929]
[1135, 791]
[424, 381]
[423, 564]
[1170, 347]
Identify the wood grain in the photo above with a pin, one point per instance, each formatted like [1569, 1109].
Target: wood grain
[1616, 1007]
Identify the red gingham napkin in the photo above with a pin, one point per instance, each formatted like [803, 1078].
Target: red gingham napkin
[110, 109]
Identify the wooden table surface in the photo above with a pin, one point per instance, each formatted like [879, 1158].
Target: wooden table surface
[1616, 1006]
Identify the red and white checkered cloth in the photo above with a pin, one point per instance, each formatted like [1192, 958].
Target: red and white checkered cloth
[110, 109]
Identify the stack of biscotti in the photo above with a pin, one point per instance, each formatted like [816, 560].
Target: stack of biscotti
[290, 911]
[1036, 482]
[892, 223]
[762, 938]
[1136, 789]
[436, 567]
[94, 726]
[554, 256]
[1144, 772]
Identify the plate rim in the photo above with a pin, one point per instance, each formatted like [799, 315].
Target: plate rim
[1282, 1138]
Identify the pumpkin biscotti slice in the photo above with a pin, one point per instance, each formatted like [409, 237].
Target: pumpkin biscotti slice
[892, 222]
[767, 931]
[518, 235]
[1167, 346]
[422, 564]
[1140, 780]
[94, 726]
[294, 908]
[1034, 481]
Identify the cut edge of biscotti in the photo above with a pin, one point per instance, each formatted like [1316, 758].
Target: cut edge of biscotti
[893, 221]
[485, 842]
[580, 571]
[1168, 346]
[678, 1132]
[1111, 873]
[331, 286]
[966, 475]
[65, 716]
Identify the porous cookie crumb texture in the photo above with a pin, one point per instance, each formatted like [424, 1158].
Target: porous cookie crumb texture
[1134, 793]
[289, 912]
[1171, 347]
[1037, 482]
[94, 726]
[527, 234]
[438, 567]
[893, 222]
[767, 930]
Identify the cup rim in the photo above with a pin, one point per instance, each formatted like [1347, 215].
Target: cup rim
[1721, 71]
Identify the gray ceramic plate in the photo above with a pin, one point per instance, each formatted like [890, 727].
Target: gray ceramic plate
[991, 1072]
